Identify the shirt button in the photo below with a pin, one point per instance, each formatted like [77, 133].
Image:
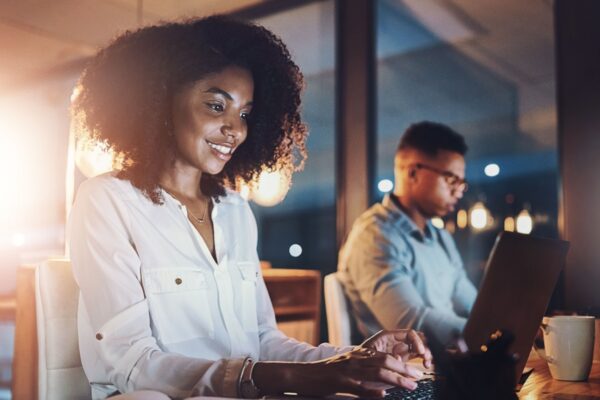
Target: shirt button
[178, 281]
[99, 336]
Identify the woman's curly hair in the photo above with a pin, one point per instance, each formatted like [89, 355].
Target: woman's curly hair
[125, 97]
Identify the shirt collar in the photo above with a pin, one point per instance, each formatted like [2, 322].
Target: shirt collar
[405, 223]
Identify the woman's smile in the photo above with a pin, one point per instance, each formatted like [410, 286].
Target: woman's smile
[222, 149]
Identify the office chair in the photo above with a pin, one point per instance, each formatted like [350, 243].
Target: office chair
[56, 365]
[60, 374]
[340, 322]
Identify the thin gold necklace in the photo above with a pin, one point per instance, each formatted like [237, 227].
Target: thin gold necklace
[199, 220]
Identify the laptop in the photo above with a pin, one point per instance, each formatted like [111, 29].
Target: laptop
[520, 275]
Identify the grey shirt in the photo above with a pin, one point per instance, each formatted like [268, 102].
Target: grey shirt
[397, 277]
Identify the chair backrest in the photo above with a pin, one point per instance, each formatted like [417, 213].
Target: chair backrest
[60, 374]
[339, 316]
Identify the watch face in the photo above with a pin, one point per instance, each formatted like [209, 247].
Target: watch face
[249, 391]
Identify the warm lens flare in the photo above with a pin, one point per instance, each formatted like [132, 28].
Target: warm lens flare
[437, 222]
[271, 188]
[509, 224]
[479, 216]
[524, 222]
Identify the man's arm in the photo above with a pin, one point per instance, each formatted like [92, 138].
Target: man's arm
[381, 272]
[396, 303]
[464, 293]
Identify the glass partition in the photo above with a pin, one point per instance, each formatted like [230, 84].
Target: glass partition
[299, 232]
[486, 69]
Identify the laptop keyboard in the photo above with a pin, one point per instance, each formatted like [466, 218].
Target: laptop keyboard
[426, 390]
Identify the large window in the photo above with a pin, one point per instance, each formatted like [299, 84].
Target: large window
[300, 231]
[487, 70]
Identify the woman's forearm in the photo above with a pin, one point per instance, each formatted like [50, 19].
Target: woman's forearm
[275, 378]
[345, 372]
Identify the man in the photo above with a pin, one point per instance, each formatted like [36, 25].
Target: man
[397, 269]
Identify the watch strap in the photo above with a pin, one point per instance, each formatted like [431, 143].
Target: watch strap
[246, 386]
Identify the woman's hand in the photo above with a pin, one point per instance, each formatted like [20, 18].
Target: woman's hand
[363, 372]
[403, 343]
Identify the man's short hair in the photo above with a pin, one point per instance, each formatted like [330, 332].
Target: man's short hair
[430, 137]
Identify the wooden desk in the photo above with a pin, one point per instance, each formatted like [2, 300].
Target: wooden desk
[296, 297]
[25, 361]
[540, 384]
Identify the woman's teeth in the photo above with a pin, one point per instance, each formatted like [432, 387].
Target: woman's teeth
[221, 149]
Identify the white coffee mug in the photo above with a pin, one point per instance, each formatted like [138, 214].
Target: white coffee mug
[569, 346]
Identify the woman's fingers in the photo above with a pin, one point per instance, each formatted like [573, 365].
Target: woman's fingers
[402, 343]
[363, 389]
[415, 343]
[362, 371]
[397, 365]
[417, 347]
[389, 377]
[427, 357]
[412, 345]
[359, 386]
[384, 368]
[403, 350]
[382, 358]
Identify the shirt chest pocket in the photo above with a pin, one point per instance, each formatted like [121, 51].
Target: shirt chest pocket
[179, 304]
[249, 278]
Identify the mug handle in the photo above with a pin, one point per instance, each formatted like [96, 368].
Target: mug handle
[544, 328]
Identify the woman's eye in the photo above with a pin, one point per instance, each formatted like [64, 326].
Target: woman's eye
[245, 116]
[215, 107]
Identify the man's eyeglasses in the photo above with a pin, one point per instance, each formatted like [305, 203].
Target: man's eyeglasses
[453, 180]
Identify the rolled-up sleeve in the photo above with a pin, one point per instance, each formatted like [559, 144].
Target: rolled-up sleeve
[107, 270]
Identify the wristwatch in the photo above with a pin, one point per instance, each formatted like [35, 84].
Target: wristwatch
[247, 387]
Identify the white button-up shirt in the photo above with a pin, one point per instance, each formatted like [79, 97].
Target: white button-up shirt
[156, 311]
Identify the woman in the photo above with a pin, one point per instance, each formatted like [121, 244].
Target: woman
[165, 253]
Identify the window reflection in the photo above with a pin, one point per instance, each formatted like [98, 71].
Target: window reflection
[306, 217]
[478, 68]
